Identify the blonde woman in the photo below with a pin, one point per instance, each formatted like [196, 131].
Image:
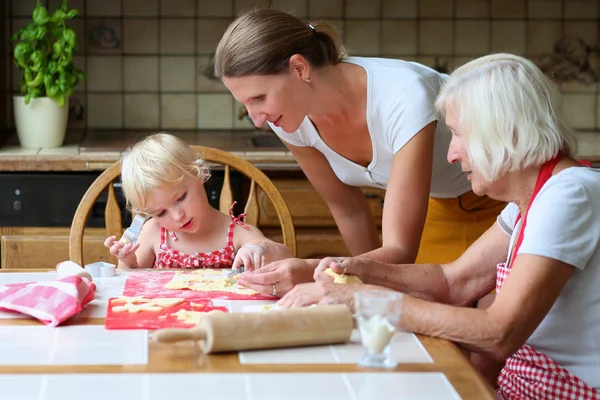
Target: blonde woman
[351, 122]
[163, 178]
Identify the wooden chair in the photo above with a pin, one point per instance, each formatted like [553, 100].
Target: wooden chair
[113, 219]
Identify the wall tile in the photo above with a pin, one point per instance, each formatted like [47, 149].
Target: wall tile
[142, 111]
[23, 8]
[103, 36]
[400, 8]
[245, 5]
[585, 30]
[542, 35]
[581, 9]
[509, 8]
[140, 8]
[399, 37]
[178, 111]
[580, 110]
[545, 9]
[362, 37]
[509, 36]
[177, 36]
[363, 9]
[209, 33]
[326, 9]
[215, 111]
[203, 83]
[77, 111]
[435, 37]
[78, 5]
[103, 8]
[299, 8]
[141, 73]
[177, 74]
[472, 8]
[105, 111]
[104, 73]
[472, 37]
[178, 8]
[212, 8]
[436, 9]
[140, 36]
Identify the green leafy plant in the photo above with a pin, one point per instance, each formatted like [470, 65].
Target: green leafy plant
[44, 52]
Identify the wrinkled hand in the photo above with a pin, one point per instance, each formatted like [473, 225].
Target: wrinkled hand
[322, 293]
[342, 265]
[250, 256]
[124, 252]
[279, 277]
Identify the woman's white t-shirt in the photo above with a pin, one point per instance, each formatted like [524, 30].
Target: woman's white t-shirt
[563, 223]
[400, 102]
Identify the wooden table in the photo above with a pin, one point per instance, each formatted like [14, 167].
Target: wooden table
[187, 357]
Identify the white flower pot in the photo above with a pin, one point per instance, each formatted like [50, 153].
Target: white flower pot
[42, 123]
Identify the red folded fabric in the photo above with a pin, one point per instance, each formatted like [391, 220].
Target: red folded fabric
[51, 302]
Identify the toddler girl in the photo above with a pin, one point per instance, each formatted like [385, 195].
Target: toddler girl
[163, 178]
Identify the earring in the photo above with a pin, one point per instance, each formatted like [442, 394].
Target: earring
[306, 80]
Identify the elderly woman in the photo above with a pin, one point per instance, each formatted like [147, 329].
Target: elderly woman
[542, 255]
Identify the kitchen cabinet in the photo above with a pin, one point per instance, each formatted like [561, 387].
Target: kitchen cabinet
[316, 232]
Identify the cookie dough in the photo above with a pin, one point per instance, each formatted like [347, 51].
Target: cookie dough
[342, 278]
[202, 283]
[138, 303]
[192, 317]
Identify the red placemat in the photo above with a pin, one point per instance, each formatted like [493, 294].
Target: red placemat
[151, 284]
[151, 320]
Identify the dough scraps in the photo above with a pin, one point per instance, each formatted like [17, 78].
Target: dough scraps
[192, 317]
[139, 303]
[342, 278]
[201, 283]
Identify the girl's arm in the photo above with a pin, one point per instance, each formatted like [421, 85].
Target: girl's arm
[254, 250]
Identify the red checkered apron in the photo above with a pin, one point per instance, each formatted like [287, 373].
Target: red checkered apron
[168, 257]
[529, 374]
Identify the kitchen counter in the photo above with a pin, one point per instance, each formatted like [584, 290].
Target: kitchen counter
[96, 150]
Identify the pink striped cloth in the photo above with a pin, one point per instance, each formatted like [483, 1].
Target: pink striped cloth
[51, 302]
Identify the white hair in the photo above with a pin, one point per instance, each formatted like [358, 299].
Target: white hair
[510, 113]
[157, 161]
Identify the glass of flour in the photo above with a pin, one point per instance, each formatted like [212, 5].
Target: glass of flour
[377, 312]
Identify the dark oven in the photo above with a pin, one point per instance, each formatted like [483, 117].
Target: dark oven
[49, 199]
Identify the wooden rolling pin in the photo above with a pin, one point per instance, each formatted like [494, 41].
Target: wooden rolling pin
[222, 332]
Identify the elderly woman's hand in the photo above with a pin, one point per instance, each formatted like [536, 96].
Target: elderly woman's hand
[342, 265]
[279, 277]
[323, 293]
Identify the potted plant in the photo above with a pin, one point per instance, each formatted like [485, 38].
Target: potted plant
[44, 53]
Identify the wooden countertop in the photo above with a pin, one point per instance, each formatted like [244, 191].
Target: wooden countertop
[95, 151]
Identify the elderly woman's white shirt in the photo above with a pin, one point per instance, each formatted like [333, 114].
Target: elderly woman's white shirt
[564, 224]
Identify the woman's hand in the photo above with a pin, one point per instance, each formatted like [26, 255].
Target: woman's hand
[124, 252]
[279, 277]
[321, 293]
[251, 256]
[342, 265]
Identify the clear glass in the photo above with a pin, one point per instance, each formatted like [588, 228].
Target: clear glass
[377, 313]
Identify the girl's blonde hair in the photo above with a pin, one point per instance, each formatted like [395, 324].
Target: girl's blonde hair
[157, 161]
[261, 42]
[509, 111]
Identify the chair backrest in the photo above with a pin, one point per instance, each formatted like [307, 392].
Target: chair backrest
[114, 224]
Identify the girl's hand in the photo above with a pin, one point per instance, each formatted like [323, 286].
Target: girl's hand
[251, 256]
[124, 252]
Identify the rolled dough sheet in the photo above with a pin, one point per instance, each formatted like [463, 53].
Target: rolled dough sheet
[202, 283]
